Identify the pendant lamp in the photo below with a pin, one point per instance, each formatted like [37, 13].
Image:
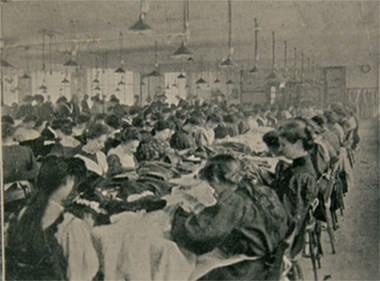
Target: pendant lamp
[156, 72]
[26, 75]
[273, 77]
[97, 88]
[183, 51]
[120, 69]
[6, 64]
[216, 81]
[201, 81]
[181, 76]
[229, 62]
[254, 69]
[141, 26]
[65, 81]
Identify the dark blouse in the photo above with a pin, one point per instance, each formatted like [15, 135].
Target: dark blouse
[249, 221]
[20, 164]
[296, 187]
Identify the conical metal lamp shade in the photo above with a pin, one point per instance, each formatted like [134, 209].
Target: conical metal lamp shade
[70, 62]
[97, 88]
[154, 73]
[120, 70]
[65, 81]
[183, 52]
[230, 82]
[254, 69]
[140, 25]
[228, 62]
[4, 63]
[117, 89]
[181, 76]
[187, 87]
[25, 76]
[217, 81]
[42, 87]
[200, 81]
[96, 81]
[121, 83]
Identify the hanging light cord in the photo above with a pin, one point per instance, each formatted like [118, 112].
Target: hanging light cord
[43, 52]
[50, 56]
[273, 50]
[27, 59]
[302, 69]
[256, 43]
[230, 26]
[155, 54]
[285, 55]
[121, 46]
[295, 62]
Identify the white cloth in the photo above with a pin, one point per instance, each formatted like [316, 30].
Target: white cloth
[74, 236]
[126, 160]
[100, 167]
[135, 247]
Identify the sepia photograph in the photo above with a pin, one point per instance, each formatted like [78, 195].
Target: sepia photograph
[189, 140]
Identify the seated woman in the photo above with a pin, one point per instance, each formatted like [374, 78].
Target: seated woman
[157, 147]
[296, 185]
[246, 219]
[67, 145]
[94, 159]
[26, 130]
[58, 245]
[122, 158]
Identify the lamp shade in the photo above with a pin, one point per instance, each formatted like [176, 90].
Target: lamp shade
[230, 82]
[65, 81]
[4, 63]
[70, 62]
[254, 69]
[96, 81]
[120, 70]
[121, 83]
[181, 76]
[183, 52]
[217, 81]
[140, 25]
[97, 88]
[42, 87]
[154, 73]
[228, 62]
[200, 81]
[117, 89]
[25, 76]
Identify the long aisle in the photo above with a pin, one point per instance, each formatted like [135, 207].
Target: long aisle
[357, 239]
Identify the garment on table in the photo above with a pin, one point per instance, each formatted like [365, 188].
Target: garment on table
[126, 160]
[153, 149]
[25, 134]
[20, 163]
[249, 221]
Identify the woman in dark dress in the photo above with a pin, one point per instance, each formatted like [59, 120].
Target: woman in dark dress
[246, 219]
[296, 185]
[45, 242]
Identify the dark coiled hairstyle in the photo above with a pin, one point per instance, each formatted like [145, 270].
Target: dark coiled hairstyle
[27, 233]
[297, 129]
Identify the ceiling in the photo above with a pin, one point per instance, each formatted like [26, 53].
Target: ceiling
[331, 32]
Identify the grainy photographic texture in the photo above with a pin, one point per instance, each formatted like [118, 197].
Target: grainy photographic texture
[189, 140]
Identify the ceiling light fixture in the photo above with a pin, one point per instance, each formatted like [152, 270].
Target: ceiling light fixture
[254, 69]
[141, 26]
[229, 62]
